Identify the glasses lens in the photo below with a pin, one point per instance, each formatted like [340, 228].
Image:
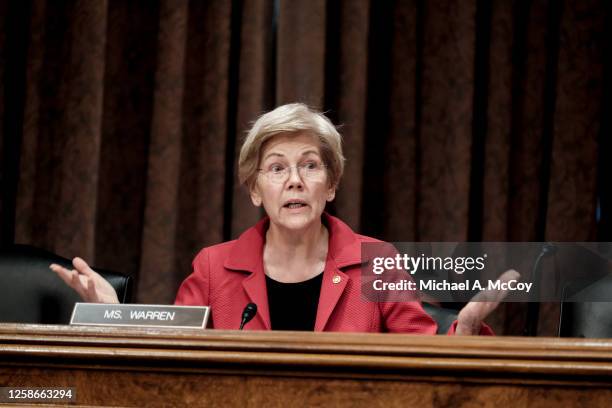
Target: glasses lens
[279, 176]
[312, 171]
[308, 171]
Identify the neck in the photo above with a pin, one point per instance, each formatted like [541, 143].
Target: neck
[295, 256]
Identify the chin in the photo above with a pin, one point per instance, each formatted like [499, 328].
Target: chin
[297, 221]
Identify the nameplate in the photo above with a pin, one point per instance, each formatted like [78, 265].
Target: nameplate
[103, 314]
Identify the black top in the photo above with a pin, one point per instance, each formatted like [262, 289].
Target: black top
[293, 306]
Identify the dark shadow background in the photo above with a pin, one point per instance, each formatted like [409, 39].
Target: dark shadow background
[474, 120]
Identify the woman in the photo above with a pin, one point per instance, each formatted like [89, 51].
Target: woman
[300, 266]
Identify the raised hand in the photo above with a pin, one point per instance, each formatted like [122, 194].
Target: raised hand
[86, 282]
[470, 318]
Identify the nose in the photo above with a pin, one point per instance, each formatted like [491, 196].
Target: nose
[295, 180]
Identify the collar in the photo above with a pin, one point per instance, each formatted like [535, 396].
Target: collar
[246, 253]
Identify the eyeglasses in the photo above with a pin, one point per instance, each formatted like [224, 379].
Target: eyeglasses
[278, 173]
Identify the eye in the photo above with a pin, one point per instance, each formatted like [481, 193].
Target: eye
[276, 168]
[311, 165]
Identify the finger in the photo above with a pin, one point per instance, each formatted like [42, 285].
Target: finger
[67, 275]
[77, 283]
[60, 270]
[504, 278]
[509, 275]
[469, 320]
[483, 309]
[91, 290]
[82, 266]
[482, 305]
[497, 296]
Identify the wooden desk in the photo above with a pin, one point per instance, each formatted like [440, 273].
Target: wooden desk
[136, 367]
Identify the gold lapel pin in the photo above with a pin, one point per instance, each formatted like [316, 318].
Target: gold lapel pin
[336, 279]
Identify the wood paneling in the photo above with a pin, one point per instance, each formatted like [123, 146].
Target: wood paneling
[145, 367]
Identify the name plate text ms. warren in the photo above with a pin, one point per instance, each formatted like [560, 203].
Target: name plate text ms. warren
[103, 314]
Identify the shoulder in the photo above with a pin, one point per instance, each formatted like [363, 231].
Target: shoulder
[213, 256]
[242, 254]
[365, 238]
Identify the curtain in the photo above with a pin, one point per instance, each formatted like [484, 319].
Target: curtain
[462, 120]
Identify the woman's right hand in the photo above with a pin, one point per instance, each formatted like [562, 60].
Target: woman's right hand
[86, 282]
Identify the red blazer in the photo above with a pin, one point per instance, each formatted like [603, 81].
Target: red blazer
[230, 275]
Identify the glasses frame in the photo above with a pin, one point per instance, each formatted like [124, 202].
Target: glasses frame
[287, 171]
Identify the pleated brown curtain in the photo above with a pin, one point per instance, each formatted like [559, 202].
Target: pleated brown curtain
[462, 120]
[124, 157]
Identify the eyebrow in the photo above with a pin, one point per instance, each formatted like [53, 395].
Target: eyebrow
[307, 152]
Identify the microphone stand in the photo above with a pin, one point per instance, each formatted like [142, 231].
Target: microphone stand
[533, 308]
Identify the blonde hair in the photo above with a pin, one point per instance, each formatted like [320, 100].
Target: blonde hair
[291, 118]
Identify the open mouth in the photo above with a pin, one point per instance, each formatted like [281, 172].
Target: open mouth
[294, 205]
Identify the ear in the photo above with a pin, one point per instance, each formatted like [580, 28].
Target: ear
[331, 193]
[255, 196]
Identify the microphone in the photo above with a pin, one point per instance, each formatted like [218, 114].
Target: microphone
[248, 313]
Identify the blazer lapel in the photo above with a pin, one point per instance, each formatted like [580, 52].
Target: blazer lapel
[246, 256]
[255, 287]
[344, 251]
[332, 287]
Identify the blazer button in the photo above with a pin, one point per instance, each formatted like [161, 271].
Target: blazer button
[336, 279]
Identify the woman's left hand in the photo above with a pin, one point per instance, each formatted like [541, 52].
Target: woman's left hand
[470, 318]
